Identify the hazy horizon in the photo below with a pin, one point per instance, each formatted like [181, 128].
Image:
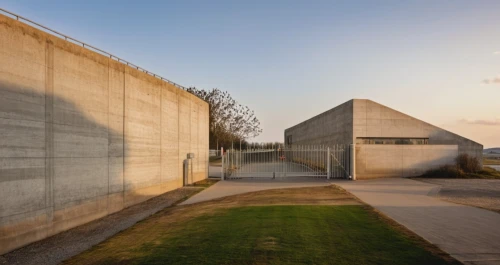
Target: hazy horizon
[291, 60]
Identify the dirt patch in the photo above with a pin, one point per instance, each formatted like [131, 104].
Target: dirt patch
[326, 195]
[482, 193]
[205, 183]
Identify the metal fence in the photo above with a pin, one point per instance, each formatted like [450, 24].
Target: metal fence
[213, 152]
[85, 45]
[292, 161]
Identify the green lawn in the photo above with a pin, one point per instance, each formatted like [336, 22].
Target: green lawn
[269, 235]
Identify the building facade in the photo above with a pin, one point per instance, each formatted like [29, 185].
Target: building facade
[388, 143]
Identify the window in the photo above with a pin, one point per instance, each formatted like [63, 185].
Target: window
[289, 140]
[380, 140]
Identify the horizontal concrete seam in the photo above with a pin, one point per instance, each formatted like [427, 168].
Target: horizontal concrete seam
[15, 119]
[23, 101]
[90, 199]
[16, 214]
[55, 123]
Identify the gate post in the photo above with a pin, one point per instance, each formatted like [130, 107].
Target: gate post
[353, 161]
[328, 160]
[222, 165]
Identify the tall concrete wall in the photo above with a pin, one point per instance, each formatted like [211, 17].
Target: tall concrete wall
[83, 136]
[376, 161]
[328, 128]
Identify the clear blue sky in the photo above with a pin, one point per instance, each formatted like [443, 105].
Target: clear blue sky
[290, 60]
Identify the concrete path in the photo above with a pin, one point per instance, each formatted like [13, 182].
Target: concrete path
[234, 187]
[214, 171]
[469, 234]
[495, 167]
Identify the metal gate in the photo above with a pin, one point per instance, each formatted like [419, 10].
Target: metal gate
[291, 161]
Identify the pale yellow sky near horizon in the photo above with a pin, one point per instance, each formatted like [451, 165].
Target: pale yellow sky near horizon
[487, 135]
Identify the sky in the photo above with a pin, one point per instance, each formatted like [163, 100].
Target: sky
[438, 61]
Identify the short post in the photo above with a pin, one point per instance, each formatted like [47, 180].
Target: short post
[185, 172]
[353, 162]
[222, 164]
[328, 161]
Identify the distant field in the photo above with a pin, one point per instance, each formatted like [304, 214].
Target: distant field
[323, 225]
[491, 161]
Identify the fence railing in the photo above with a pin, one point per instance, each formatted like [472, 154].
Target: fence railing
[87, 46]
[291, 161]
[213, 152]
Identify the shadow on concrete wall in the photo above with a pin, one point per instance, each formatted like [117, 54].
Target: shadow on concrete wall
[53, 157]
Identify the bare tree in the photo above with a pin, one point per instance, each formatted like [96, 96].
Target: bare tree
[228, 120]
[244, 123]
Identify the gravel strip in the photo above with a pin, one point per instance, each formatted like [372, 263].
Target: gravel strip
[59, 247]
[483, 193]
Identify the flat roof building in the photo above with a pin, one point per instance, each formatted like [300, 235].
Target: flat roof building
[387, 143]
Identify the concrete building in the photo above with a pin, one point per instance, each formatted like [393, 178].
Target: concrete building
[388, 143]
[83, 136]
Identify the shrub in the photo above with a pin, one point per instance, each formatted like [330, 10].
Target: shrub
[444, 172]
[489, 173]
[457, 171]
[468, 164]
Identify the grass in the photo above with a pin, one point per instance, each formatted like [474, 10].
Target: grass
[205, 183]
[278, 234]
[215, 159]
[486, 173]
[453, 172]
[491, 161]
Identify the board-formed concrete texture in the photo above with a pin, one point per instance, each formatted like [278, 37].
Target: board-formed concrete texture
[375, 161]
[362, 118]
[334, 126]
[83, 136]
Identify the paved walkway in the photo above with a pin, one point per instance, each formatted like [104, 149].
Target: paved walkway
[495, 167]
[214, 171]
[469, 234]
[234, 187]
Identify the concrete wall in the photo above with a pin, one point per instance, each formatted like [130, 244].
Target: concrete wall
[328, 128]
[376, 161]
[365, 118]
[375, 120]
[83, 136]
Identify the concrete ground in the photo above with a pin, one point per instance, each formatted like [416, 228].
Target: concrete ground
[483, 193]
[469, 234]
[214, 171]
[495, 167]
[239, 186]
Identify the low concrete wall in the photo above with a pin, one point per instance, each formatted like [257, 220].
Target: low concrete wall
[83, 136]
[375, 161]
